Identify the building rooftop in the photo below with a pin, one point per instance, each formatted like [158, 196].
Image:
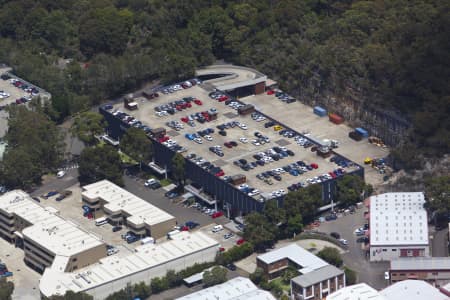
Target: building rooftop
[398, 219]
[239, 288]
[113, 267]
[307, 261]
[230, 76]
[317, 275]
[119, 200]
[361, 291]
[412, 290]
[421, 263]
[47, 229]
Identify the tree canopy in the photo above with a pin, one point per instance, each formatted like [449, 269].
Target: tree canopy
[136, 144]
[86, 125]
[217, 275]
[34, 147]
[381, 64]
[6, 289]
[331, 255]
[98, 163]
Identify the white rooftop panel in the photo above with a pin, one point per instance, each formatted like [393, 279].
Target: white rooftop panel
[412, 290]
[359, 291]
[308, 261]
[114, 267]
[398, 219]
[140, 212]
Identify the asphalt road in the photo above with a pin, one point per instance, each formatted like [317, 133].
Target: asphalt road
[439, 243]
[51, 183]
[371, 273]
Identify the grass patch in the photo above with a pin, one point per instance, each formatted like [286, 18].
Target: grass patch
[127, 159]
[165, 182]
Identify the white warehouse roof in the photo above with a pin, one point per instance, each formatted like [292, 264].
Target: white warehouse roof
[360, 291]
[308, 261]
[239, 288]
[119, 200]
[398, 219]
[113, 268]
[412, 290]
[48, 230]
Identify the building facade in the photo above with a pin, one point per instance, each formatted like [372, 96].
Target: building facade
[124, 208]
[434, 270]
[398, 226]
[47, 239]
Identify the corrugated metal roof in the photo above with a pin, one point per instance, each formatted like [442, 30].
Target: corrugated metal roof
[317, 275]
[421, 263]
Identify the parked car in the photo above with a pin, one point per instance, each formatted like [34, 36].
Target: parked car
[228, 235]
[231, 267]
[335, 235]
[240, 241]
[217, 214]
[50, 194]
[343, 242]
[60, 198]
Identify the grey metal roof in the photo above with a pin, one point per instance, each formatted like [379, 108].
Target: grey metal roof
[317, 276]
[421, 263]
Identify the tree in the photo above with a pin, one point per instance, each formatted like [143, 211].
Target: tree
[142, 290]
[437, 191]
[32, 150]
[259, 231]
[173, 279]
[100, 163]
[6, 289]
[158, 285]
[331, 255]
[87, 125]
[350, 276]
[350, 190]
[179, 168]
[70, 295]
[304, 202]
[288, 274]
[258, 276]
[273, 213]
[294, 225]
[215, 276]
[136, 144]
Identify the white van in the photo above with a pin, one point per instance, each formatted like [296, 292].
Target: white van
[101, 221]
[217, 228]
[172, 233]
[147, 240]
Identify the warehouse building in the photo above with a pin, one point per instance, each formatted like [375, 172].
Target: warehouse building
[317, 279]
[398, 226]
[434, 270]
[48, 240]
[239, 288]
[114, 273]
[123, 207]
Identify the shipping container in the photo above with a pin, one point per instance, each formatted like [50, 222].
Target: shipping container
[158, 132]
[355, 136]
[336, 119]
[362, 132]
[246, 109]
[238, 179]
[320, 111]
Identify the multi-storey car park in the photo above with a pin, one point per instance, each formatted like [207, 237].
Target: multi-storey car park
[221, 138]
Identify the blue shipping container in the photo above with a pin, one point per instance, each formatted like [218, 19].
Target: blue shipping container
[362, 132]
[320, 111]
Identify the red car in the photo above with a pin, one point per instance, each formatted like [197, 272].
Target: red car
[217, 214]
[314, 165]
[332, 175]
[228, 145]
[184, 228]
[220, 173]
[240, 241]
[223, 98]
[188, 105]
[198, 102]
[221, 249]
[184, 119]
[270, 92]
[164, 139]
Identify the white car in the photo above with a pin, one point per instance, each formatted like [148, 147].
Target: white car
[253, 193]
[243, 126]
[198, 140]
[208, 138]
[256, 143]
[343, 241]
[243, 140]
[386, 275]
[243, 186]
[149, 182]
[60, 174]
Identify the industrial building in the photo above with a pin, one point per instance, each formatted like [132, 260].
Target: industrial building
[239, 288]
[398, 226]
[434, 270]
[317, 279]
[125, 208]
[114, 273]
[208, 188]
[48, 240]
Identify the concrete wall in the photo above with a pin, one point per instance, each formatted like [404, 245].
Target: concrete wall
[161, 229]
[101, 292]
[386, 253]
[86, 258]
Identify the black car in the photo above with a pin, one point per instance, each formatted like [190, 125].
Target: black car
[277, 177]
[231, 267]
[116, 228]
[223, 133]
[335, 235]
[290, 152]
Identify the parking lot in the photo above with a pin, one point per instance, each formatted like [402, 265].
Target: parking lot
[243, 135]
[301, 117]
